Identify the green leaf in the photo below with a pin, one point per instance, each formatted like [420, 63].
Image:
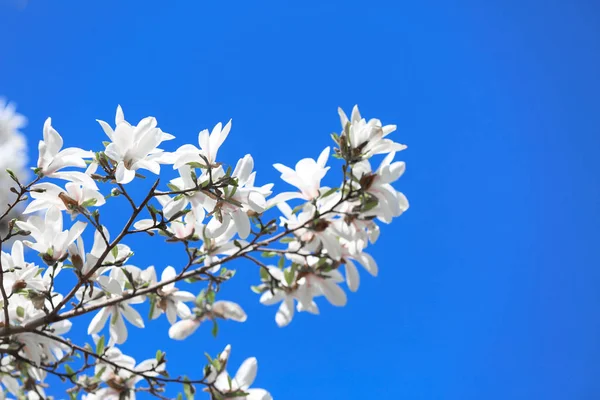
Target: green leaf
[89, 203]
[289, 276]
[174, 188]
[20, 311]
[100, 346]
[287, 239]
[264, 275]
[115, 252]
[210, 297]
[268, 254]
[189, 391]
[194, 164]
[215, 329]
[69, 371]
[329, 192]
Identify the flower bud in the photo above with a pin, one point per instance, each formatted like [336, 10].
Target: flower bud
[184, 328]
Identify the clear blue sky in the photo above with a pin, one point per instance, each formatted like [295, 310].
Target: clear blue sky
[489, 286]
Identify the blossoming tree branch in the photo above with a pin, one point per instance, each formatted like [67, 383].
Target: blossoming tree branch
[215, 212]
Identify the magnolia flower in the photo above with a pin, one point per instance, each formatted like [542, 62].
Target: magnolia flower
[116, 313]
[286, 294]
[241, 382]
[121, 382]
[238, 200]
[368, 137]
[75, 197]
[182, 228]
[390, 203]
[135, 147]
[209, 147]
[306, 177]
[170, 299]
[50, 239]
[52, 158]
[39, 348]
[222, 309]
[19, 274]
[313, 233]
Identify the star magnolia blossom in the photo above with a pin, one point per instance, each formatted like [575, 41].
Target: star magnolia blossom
[306, 176]
[52, 159]
[49, 237]
[216, 213]
[209, 147]
[368, 137]
[243, 379]
[135, 147]
[171, 300]
[75, 196]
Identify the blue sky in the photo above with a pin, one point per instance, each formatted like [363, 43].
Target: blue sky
[488, 286]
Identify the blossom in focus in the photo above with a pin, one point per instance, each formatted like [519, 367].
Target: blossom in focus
[171, 300]
[52, 158]
[306, 177]
[209, 147]
[135, 147]
[50, 239]
[241, 382]
[74, 197]
[368, 138]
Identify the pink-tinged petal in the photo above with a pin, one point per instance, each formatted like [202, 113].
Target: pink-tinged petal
[229, 310]
[246, 374]
[285, 313]
[182, 329]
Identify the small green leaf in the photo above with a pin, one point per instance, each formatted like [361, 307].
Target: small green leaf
[20, 311]
[100, 346]
[215, 329]
[268, 254]
[89, 203]
[114, 251]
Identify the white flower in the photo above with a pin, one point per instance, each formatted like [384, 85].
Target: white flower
[121, 382]
[242, 381]
[321, 232]
[135, 147]
[219, 309]
[368, 137]
[19, 274]
[11, 122]
[117, 312]
[50, 239]
[170, 299]
[391, 203]
[75, 195]
[306, 177]
[209, 147]
[238, 200]
[52, 159]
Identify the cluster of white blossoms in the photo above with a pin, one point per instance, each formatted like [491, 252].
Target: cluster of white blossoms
[218, 213]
